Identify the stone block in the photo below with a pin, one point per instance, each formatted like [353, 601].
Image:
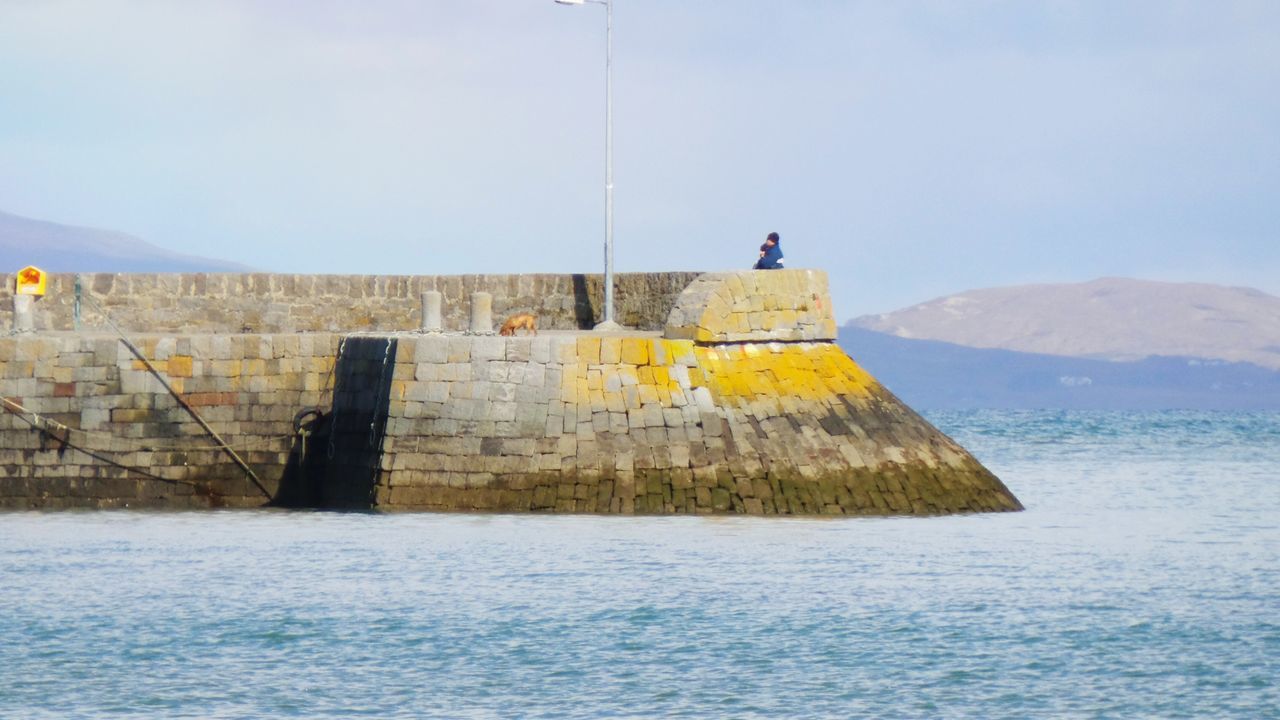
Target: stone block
[610, 350]
[624, 461]
[122, 415]
[515, 372]
[488, 348]
[588, 350]
[635, 351]
[502, 392]
[501, 411]
[540, 350]
[534, 375]
[519, 349]
[459, 349]
[431, 349]
[703, 401]
[180, 366]
[498, 371]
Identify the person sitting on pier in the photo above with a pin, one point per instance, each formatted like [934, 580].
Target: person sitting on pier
[770, 254]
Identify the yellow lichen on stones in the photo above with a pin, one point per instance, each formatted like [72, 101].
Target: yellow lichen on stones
[768, 377]
[738, 375]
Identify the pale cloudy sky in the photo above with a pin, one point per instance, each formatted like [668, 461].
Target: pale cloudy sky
[911, 149]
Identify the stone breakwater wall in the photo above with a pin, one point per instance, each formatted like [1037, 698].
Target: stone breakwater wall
[741, 402]
[87, 424]
[659, 425]
[263, 303]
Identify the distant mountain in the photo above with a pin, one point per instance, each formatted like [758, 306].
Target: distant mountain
[928, 374]
[65, 248]
[1111, 318]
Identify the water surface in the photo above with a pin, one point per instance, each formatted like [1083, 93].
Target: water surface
[1140, 582]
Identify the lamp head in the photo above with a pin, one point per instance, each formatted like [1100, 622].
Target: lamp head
[570, 2]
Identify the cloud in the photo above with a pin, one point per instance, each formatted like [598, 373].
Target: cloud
[911, 149]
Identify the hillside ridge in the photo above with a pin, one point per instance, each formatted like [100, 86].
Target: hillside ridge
[1109, 318]
[55, 247]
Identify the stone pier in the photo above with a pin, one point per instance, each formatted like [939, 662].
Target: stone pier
[736, 401]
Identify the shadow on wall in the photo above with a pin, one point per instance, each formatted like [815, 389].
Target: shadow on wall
[302, 484]
[343, 453]
[583, 313]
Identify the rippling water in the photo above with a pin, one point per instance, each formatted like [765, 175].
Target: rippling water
[1140, 582]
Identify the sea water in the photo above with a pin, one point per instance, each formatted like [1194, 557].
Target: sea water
[1143, 580]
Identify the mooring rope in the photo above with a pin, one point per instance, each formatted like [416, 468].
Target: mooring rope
[140, 444]
[62, 435]
[333, 404]
[181, 400]
[377, 401]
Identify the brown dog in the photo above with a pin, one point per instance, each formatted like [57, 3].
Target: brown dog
[517, 322]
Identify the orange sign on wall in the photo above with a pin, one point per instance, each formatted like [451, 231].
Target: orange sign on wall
[31, 281]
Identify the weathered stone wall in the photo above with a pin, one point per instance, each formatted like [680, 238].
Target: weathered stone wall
[721, 415]
[716, 416]
[756, 306]
[266, 303]
[86, 424]
[654, 425]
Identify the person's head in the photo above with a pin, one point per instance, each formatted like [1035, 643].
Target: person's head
[773, 238]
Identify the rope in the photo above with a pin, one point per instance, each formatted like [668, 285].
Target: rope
[144, 445]
[333, 406]
[62, 434]
[377, 401]
[182, 401]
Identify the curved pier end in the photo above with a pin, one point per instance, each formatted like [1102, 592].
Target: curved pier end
[754, 306]
[744, 404]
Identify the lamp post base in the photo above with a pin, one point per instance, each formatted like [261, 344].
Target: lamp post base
[608, 326]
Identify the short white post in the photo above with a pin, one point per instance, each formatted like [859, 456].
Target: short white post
[431, 302]
[23, 317]
[481, 313]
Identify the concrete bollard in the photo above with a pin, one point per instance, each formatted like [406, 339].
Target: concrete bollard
[431, 301]
[481, 313]
[23, 316]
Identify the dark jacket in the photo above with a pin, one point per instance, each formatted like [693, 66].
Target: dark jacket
[772, 259]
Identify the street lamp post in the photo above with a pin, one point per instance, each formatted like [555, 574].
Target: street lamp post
[608, 323]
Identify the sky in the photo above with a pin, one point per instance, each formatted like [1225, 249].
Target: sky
[909, 149]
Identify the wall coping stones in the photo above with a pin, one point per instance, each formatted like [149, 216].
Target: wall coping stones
[235, 303]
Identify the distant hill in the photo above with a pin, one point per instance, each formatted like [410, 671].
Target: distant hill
[65, 248]
[1111, 318]
[928, 374]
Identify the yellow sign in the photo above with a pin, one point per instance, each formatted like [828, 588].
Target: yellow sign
[32, 281]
